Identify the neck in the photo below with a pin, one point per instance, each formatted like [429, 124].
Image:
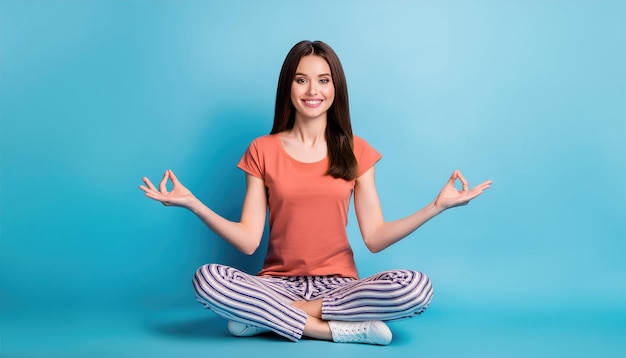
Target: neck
[310, 130]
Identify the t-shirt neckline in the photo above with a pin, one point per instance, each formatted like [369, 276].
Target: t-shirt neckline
[282, 149]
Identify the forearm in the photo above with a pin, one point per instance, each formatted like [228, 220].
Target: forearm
[386, 234]
[379, 234]
[239, 234]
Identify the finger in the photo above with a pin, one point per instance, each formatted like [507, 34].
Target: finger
[483, 186]
[453, 177]
[486, 184]
[463, 181]
[149, 183]
[163, 183]
[155, 195]
[175, 180]
[476, 191]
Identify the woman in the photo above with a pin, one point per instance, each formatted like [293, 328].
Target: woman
[305, 172]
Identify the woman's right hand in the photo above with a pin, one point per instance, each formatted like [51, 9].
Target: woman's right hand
[178, 196]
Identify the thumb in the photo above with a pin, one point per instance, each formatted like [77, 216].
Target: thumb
[173, 177]
[453, 177]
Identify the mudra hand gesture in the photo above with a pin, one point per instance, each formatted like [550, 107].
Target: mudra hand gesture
[450, 196]
[178, 196]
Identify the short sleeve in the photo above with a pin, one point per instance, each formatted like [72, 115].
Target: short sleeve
[366, 155]
[252, 161]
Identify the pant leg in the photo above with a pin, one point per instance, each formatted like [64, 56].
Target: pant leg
[387, 296]
[249, 299]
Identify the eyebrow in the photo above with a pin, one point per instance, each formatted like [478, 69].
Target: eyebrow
[305, 75]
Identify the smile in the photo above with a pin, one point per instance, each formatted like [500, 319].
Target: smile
[312, 102]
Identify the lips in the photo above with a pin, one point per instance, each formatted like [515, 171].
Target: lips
[312, 102]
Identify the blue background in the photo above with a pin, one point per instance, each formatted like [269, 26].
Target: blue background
[94, 95]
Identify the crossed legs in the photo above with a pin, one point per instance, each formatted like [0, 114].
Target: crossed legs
[274, 304]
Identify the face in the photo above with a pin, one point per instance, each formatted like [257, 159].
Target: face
[312, 90]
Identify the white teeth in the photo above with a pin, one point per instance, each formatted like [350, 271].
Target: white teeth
[317, 101]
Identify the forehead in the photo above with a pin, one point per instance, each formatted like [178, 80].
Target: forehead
[313, 65]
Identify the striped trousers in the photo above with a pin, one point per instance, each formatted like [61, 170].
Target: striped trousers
[266, 301]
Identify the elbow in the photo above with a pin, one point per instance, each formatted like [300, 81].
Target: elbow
[374, 249]
[250, 247]
[372, 245]
[374, 235]
[249, 252]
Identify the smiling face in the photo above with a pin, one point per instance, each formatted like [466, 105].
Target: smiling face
[312, 90]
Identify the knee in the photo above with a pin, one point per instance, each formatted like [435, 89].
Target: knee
[407, 278]
[214, 271]
[410, 291]
[420, 280]
[415, 285]
[211, 278]
[205, 277]
[203, 272]
[422, 290]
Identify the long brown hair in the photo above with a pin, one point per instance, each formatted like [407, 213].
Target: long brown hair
[342, 162]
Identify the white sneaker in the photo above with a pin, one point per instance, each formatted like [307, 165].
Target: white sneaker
[244, 330]
[371, 332]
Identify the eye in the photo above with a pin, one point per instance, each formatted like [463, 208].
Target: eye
[325, 80]
[300, 80]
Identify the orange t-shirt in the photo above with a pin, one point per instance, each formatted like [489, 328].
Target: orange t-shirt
[308, 209]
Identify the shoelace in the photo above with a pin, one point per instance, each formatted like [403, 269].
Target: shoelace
[354, 334]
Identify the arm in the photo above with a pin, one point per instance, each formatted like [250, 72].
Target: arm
[244, 235]
[378, 234]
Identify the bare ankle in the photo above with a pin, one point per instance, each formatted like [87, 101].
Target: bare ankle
[312, 308]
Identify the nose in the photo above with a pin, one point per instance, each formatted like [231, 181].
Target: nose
[312, 90]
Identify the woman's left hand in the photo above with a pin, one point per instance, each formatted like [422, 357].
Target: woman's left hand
[450, 196]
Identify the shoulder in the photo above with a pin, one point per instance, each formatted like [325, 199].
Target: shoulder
[253, 160]
[264, 142]
[360, 144]
[266, 139]
[366, 156]
[358, 141]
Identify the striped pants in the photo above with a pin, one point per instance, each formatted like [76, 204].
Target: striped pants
[266, 301]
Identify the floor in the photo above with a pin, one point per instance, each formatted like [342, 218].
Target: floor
[195, 332]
